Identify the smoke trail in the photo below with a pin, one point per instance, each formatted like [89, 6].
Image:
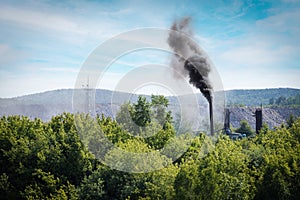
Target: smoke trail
[198, 73]
[190, 60]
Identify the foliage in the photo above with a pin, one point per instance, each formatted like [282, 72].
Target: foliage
[245, 128]
[149, 120]
[141, 112]
[56, 159]
[41, 159]
[223, 174]
[290, 121]
[279, 164]
[285, 101]
[92, 187]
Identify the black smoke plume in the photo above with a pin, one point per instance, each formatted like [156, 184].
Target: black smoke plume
[190, 60]
[199, 78]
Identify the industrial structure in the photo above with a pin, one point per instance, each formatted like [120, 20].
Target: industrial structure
[258, 118]
[227, 129]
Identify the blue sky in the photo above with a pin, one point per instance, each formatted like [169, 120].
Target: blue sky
[43, 44]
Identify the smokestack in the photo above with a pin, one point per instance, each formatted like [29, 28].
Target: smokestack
[191, 61]
[198, 69]
[258, 117]
[211, 119]
[227, 119]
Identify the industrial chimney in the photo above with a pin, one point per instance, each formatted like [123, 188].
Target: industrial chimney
[258, 117]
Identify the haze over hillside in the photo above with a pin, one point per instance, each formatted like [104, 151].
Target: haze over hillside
[47, 104]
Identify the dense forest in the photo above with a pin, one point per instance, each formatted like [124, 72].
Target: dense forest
[54, 160]
[258, 96]
[284, 101]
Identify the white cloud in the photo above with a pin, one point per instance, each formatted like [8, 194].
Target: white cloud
[9, 56]
[266, 53]
[283, 22]
[60, 69]
[38, 20]
[78, 25]
[256, 64]
[256, 55]
[230, 11]
[67, 32]
[259, 79]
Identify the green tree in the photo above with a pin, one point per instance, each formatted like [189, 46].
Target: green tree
[160, 183]
[290, 121]
[114, 131]
[271, 101]
[46, 186]
[222, 174]
[33, 152]
[70, 159]
[5, 187]
[245, 128]
[49, 160]
[124, 117]
[281, 100]
[159, 103]
[21, 142]
[150, 121]
[280, 164]
[92, 187]
[135, 156]
[141, 112]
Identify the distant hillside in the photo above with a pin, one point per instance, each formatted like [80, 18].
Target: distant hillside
[64, 96]
[257, 97]
[47, 104]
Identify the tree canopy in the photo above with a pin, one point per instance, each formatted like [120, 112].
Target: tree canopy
[50, 160]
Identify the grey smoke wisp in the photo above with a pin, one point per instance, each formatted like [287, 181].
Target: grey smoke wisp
[189, 60]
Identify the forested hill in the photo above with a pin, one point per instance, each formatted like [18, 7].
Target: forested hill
[259, 96]
[253, 97]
